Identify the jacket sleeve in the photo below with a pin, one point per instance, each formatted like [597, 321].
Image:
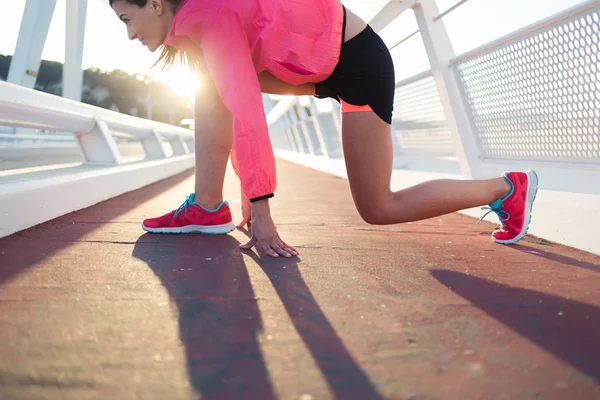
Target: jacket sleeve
[234, 161]
[224, 44]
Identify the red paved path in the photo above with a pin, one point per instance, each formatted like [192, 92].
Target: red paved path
[93, 308]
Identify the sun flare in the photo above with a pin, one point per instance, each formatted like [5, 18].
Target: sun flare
[181, 81]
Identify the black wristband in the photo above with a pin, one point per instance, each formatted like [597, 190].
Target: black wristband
[266, 196]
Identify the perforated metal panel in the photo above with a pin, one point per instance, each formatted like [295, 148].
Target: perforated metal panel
[419, 121]
[539, 98]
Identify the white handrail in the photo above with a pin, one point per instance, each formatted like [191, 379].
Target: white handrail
[23, 107]
[448, 11]
[414, 78]
[94, 127]
[46, 138]
[28, 108]
[527, 31]
[94, 132]
[281, 108]
[390, 12]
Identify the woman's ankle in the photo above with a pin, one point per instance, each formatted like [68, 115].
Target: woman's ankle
[208, 202]
[501, 188]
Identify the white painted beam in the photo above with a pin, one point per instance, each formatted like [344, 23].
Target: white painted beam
[74, 38]
[440, 53]
[390, 12]
[25, 63]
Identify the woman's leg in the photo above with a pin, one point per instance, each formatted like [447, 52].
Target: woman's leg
[367, 144]
[213, 140]
[368, 154]
[214, 136]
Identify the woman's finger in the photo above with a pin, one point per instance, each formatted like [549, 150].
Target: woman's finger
[287, 247]
[268, 250]
[280, 250]
[250, 244]
[244, 222]
[291, 250]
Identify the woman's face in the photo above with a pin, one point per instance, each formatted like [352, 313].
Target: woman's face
[149, 24]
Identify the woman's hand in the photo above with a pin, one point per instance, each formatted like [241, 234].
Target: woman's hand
[246, 213]
[264, 234]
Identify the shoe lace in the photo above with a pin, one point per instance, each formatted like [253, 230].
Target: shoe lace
[503, 215]
[188, 202]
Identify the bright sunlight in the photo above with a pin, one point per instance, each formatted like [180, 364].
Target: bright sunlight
[181, 81]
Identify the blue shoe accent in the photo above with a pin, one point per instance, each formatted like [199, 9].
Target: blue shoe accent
[496, 206]
[189, 201]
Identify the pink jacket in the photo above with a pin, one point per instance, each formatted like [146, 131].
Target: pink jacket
[298, 41]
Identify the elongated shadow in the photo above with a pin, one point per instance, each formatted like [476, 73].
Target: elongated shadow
[219, 319]
[27, 248]
[557, 257]
[344, 376]
[568, 329]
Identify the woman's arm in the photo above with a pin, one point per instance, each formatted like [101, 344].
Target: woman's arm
[227, 57]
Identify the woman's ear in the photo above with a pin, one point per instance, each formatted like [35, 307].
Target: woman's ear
[157, 6]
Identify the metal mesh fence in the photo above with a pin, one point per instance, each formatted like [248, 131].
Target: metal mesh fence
[419, 122]
[539, 98]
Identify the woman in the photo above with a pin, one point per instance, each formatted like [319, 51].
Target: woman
[303, 47]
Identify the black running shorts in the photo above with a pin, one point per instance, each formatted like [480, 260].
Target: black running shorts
[364, 75]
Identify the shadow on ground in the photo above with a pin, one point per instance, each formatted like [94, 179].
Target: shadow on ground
[220, 320]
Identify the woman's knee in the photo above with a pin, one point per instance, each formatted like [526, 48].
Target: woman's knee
[375, 210]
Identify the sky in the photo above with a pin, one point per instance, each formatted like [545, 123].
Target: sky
[107, 47]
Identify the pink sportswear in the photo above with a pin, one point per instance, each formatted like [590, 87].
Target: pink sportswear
[298, 41]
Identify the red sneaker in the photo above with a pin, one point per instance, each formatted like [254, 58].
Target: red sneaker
[514, 210]
[191, 217]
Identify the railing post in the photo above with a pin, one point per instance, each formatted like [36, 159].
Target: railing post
[285, 132]
[26, 61]
[302, 126]
[189, 142]
[440, 52]
[153, 146]
[297, 128]
[314, 118]
[336, 116]
[330, 132]
[98, 146]
[75, 32]
[27, 58]
[178, 145]
[289, 136]
[293, 132]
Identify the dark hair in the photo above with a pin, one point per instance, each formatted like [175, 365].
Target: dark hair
[169, 54]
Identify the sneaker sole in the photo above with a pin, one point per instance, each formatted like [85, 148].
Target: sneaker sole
[202, 229]
[532, 186]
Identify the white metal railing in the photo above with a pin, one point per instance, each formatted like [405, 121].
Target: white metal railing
[314, 128]
[94, 128]
[535, 94]
[419, 123]
[104, 173]
[392, 10]
[527, 100]
[440, 16]
[311, 128]
[501, 103]
[19, 139]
